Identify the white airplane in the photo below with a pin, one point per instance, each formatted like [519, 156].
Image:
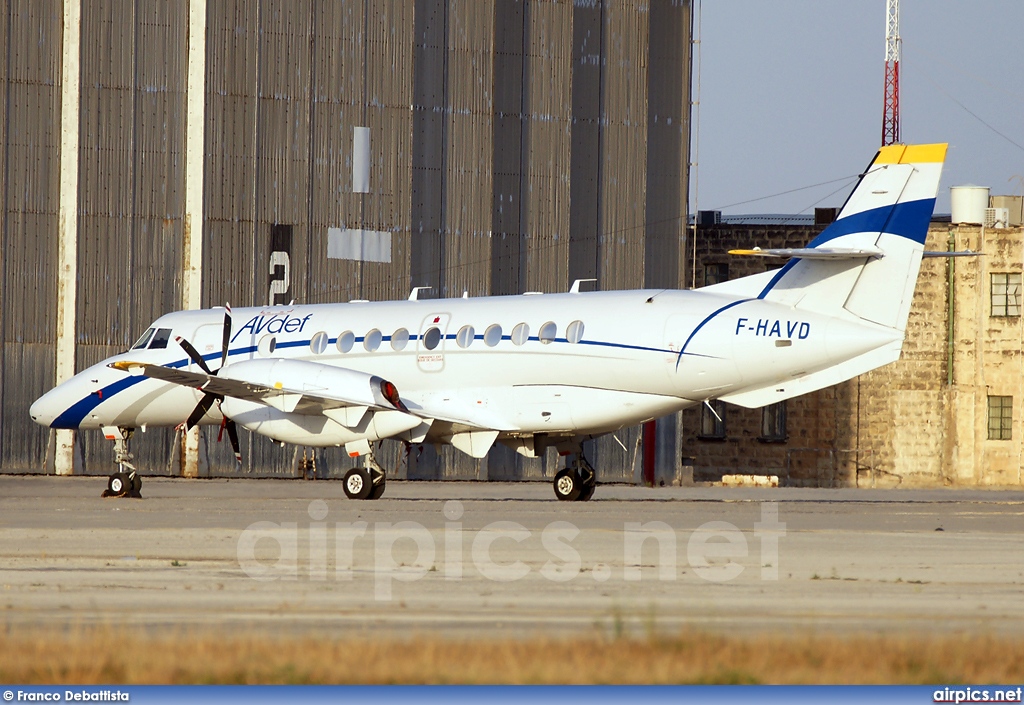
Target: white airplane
[529, 371]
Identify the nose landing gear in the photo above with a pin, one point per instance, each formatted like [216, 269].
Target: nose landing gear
[126, 482]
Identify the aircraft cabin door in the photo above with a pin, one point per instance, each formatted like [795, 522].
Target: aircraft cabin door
[431, 341]
[207, 341]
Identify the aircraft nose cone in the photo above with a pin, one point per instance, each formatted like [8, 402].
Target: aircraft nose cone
[42, 411]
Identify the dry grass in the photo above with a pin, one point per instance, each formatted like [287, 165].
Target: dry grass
[107, 655]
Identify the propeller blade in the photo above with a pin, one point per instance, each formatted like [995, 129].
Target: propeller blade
[194, 354]
[233, 437]
[200, 411]
[226, 339]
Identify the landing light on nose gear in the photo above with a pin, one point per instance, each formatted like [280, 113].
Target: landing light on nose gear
[126, 482]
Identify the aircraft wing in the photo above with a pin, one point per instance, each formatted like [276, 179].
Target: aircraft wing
[462, 416]
[354, 391]
[311, 388]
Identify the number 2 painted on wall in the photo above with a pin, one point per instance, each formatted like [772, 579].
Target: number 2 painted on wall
[280, 275]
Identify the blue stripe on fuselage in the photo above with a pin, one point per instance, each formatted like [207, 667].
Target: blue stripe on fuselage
[76, 413]
[73, 416]
[682, 351]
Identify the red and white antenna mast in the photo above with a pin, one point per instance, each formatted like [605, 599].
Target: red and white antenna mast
[891, 106]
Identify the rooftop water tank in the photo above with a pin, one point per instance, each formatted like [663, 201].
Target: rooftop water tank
[968, 204]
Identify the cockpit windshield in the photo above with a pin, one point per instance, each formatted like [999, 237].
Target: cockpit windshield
[160, 339]
[153, 339]
[144, 340]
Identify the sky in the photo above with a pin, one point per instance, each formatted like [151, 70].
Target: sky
[790, 95]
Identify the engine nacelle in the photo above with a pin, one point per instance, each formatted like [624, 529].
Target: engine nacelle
[355, 388]
[315, 429]
[371, 409]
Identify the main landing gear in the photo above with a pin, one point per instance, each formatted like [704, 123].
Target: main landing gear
[126, 482]
[577, 482]
[366, 482]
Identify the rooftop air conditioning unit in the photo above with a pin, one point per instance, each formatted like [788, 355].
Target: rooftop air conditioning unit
[997, 217]
[709, 218]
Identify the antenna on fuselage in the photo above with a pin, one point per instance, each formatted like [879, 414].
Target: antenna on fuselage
[414, 295]
[575, 288]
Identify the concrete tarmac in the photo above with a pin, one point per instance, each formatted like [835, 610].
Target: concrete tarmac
[507, 559]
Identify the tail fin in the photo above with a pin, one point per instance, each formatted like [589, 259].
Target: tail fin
[866, 262]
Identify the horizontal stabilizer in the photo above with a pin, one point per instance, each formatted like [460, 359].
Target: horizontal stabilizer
[831, 253]
[946, 253]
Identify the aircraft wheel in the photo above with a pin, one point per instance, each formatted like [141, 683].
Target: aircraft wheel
[567, 485]
[118, 485]
[136, 485]
[378, 490]
[357, 484]
[587, 492]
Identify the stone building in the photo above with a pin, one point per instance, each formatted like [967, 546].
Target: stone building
[947, 413]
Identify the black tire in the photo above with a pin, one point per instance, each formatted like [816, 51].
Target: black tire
[357, 484]
[567, 485]
[136, 490]
[378, 490]
[119, 485]
[587, 492]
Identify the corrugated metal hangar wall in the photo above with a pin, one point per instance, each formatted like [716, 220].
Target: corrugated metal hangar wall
[336, 150]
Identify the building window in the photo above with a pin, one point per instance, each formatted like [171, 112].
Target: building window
[773, 423]
[712, 426]
[1006, 294]
[715, 274]
[1000, 418]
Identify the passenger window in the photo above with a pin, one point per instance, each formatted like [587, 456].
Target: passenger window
[267, 345]
[160, 339]
[318, 344]
[372, 340]
[345, 341]
[431, 338]
[521, 333]
[574, 332]
[492, 336]
[548, 331]
[144, 340]
[465, 336]
[399, 339]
